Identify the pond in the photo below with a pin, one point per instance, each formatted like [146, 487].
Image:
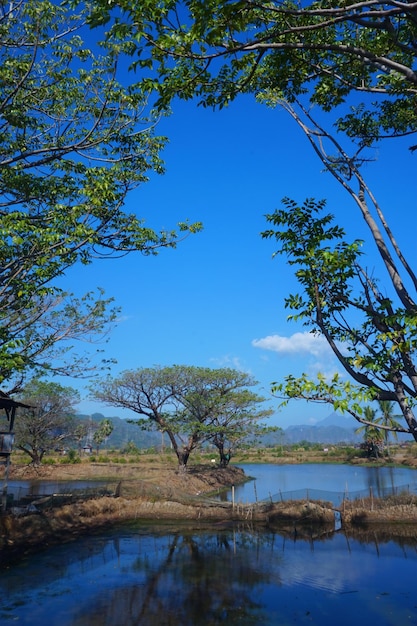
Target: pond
[153, 574]
[321, 481]
[139, 575]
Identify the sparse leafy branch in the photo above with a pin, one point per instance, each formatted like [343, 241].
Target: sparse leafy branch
[376, 348]
[40, 338]
[103, 432]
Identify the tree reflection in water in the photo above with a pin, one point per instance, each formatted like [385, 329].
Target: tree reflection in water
[242, 576]
[197, 579]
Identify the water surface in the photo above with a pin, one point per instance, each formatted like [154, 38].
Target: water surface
[161, 577]
[322, 481]
[152, 575]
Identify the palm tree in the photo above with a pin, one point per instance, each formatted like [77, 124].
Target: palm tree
[388, 419]
[371, 433]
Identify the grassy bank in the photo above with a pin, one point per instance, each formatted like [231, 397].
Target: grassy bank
[150, 487]
[405, 455]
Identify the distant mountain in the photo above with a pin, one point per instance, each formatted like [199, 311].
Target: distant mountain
[333, 429]
[124, 433]
[326, 434]
[336, 419]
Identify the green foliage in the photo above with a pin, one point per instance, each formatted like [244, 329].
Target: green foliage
[279, 50]
[103, 432]
[325, 263]
[74, 140]
[371, 333]
[72, 457]
[355, 63]
[49, 461]
[192, 405]
[48, 424]
[131, 449]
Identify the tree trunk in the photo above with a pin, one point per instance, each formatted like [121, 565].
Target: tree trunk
[224, 458]
[405, 407]
[35, 456]
[182, 456]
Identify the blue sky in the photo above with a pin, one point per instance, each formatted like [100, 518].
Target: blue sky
[217, 300]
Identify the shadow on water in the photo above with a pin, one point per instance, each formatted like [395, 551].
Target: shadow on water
[177, 575]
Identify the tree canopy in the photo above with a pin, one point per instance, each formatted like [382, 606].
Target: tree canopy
[75, 139]
[323, 50]
[48, 424]
[103, 432]
[193, 405]
[347, 76]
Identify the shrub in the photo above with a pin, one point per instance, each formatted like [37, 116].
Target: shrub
[72, 457]
[49, 461]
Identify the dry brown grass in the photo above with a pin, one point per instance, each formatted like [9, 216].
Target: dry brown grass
[401, 509]
[152, 489]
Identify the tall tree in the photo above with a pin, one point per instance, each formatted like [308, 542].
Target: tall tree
[146, 391]
[372, 435]
[216, 406]
[388, 420]
[50, 421]
[74, 140]
[103, 432]
[190, 404]
[356, 62]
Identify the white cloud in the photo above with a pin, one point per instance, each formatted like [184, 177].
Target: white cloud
[296, 344]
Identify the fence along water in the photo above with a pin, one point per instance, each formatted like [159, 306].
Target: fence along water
[337, 497]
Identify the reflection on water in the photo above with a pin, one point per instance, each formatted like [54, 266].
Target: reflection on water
[153, 577]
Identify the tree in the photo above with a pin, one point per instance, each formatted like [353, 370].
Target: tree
[369, 331]
[40, 339]
[146, 391]
[372, 435]
[238, 421]
[319, 52]
[190, 404]
[356, 62]
[103, 432]
[74, 140]
[388, 419]
[79, 435]
[49, 424]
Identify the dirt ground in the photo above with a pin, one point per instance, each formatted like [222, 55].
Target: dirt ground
[198, 479]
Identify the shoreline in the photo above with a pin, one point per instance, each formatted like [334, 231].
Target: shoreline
[164, 495]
